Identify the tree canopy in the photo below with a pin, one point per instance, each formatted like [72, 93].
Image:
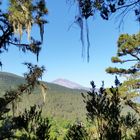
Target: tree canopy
[128, 49]
[88, 8]
[19, 17]
[128, 53]
[105, 8]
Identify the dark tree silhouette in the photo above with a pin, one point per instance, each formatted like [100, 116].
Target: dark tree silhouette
[104, 109]
[76, 132]
[30, 123]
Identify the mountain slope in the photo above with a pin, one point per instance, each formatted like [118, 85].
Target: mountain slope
[9, 80]
[68, 84]
[61, 103]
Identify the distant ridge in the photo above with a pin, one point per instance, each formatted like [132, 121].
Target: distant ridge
[68, 84]
[9, 74]
[11, 80]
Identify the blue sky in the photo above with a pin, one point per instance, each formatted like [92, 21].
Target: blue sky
[61, 52]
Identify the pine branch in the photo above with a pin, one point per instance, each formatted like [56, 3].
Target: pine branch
[128, 5]
[136, 56]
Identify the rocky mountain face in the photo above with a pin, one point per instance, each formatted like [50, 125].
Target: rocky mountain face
[68, 84]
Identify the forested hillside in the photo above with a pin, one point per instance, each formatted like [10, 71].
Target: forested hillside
[61, 102]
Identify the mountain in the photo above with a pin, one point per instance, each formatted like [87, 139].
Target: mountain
[68, 84]
[62, 103]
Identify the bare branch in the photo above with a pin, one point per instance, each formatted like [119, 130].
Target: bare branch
[18, 44]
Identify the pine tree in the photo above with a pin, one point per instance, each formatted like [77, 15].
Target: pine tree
[128, 52]
[77, 132]
[19, 17]
[128, 47]
[30, 124]
[104, 110]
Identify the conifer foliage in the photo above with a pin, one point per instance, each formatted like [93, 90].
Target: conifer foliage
[30, 124]
[128, 48]
[104, 110]
[77, 132]
[128, 53]
[106, 8]
[18, 18]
